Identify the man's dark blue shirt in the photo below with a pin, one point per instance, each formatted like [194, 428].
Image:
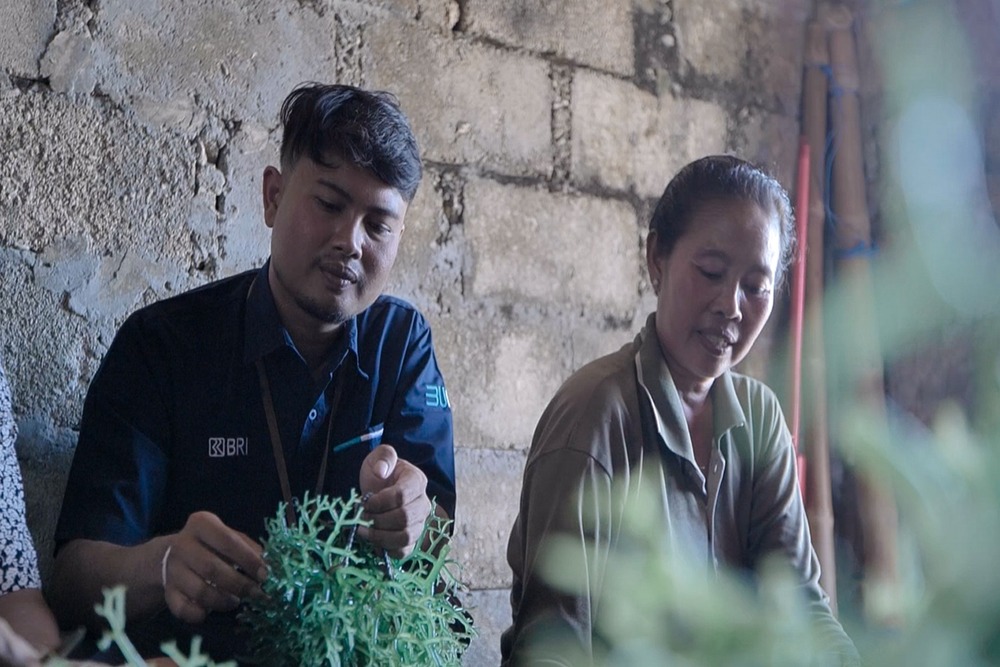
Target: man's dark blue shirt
[174, 422]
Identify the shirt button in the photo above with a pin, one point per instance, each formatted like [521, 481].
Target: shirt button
[312, 415]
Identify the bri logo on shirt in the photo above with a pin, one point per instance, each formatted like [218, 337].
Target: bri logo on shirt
[223, 447]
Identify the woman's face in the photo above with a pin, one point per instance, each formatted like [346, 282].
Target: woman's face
[715, 289]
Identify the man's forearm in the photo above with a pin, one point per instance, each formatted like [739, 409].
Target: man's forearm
[84, 568]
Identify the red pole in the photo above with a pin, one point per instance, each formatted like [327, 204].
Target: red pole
[798, 301]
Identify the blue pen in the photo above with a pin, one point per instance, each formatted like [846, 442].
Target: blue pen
[373, 434]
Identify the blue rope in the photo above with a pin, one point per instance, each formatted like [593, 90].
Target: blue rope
[861, 249]
[836, 93]
[831, 151]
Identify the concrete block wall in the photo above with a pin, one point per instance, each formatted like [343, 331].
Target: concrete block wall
[133, 136]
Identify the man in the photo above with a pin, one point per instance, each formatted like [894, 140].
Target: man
[213, 406]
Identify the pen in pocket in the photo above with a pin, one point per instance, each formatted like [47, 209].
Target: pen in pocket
[373, 436]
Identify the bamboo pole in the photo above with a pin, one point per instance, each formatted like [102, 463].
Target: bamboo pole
[876, 507]
[815, 443]
[798, 302]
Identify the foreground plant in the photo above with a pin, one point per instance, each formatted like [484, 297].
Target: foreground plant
[333, 600]
[662, 606]
[112, 610]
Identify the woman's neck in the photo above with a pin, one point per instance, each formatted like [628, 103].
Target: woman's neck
[694, 401]
[697, 408]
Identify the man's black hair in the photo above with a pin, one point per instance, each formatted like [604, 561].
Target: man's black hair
[331, 122]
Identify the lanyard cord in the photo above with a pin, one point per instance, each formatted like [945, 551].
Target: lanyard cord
[279, 456]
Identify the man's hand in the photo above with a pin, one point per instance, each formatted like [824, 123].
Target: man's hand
[398, 506]
[210, 567]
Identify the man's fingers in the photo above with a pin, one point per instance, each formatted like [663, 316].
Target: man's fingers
[261, 574]
[205, 582]
[378, 468]
[205, 600]
[238, 550]
[397, 505]
[399, 527]
[184, 608]
[398, 543]
[210, 567]
[384, 461]
[226, 578]
[391, 509]
[407, 484]
[180, 595]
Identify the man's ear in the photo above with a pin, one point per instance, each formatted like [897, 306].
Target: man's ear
[653, 265]
[271, 191]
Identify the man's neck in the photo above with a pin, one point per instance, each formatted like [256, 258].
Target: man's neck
[313, 338]
[315, 344]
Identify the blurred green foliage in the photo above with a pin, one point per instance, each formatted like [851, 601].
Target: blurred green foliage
[112, 610]
[660, 608]
[936, 280]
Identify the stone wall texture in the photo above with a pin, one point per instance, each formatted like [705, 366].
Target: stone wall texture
[133, 135]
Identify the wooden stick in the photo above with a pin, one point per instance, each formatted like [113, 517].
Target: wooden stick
[815, 440]
[798, 302]
[876, 507]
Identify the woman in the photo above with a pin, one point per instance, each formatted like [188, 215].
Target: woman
[669, 405]
[21, 605]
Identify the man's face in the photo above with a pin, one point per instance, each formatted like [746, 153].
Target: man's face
[335, 232]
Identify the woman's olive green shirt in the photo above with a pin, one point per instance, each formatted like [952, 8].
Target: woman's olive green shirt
[616, 429]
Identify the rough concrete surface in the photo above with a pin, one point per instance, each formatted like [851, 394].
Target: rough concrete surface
[501, 371]
[768, 139]
[530, 243]
[428, 270]
[235, 237]
[469, 103]
[113, 182]
[709, 41]
[133, 137]
[625, 138]
[44, 453]
[226, 57]
[490, 611]
[489, 489]
[25, 28]
[592, 32]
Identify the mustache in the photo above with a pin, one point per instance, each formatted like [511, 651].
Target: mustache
[338, 267]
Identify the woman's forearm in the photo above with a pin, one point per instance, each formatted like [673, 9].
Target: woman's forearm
[27, 614]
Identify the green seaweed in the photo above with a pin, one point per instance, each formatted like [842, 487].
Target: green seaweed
[332, 600]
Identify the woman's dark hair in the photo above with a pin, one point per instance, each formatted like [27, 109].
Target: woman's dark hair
[365, 127]
[721, 178]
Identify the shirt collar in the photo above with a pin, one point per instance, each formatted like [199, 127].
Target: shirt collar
[654, 376]
[264, 331]
[266, 334]
[726, 405]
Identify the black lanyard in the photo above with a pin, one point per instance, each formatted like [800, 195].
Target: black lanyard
[272, 426]
[279, 455]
